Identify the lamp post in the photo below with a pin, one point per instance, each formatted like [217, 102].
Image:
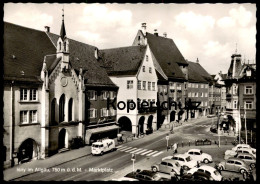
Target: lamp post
[245, 126]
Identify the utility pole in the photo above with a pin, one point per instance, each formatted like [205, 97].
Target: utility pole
[245, 125]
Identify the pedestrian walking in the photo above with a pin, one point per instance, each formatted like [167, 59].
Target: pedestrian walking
[181, 171]
[175, 148]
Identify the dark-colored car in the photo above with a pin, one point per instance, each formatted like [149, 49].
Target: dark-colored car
[197, 176]
[145, 175]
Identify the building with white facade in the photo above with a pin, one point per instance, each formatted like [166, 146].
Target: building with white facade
[132, 69]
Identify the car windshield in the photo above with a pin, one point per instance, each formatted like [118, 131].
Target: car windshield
[95, 145]
[188, 159]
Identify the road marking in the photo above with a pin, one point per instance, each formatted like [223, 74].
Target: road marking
[141, 151]
[124, 149]
[120, 146]
[147, 152]
[158, 154]
[151, 153]
[136, 150]
[131, 150]
[200, 134]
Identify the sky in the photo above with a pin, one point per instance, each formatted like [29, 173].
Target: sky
[209, 32]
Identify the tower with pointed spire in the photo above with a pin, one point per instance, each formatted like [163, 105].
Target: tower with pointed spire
[63, 45]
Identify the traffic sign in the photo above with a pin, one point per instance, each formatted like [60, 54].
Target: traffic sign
[133, 157]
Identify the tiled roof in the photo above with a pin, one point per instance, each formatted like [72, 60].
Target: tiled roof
[123, 60]
[167, 54]
[82, 56]
[24, 51]
[194, 72]
[160, 77]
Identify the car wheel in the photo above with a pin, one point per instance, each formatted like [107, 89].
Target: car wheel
[252, 165]
[154, 169]
[101, 153]
[242, 171]
[206, 161]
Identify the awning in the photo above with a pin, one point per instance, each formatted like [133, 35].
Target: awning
[90, 132]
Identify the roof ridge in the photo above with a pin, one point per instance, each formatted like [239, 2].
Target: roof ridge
[131, 46]
[23, 26]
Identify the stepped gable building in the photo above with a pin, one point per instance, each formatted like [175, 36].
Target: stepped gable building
[171, 65]
[241, 94]
[132, 69]
[47, 78]
[197, 89]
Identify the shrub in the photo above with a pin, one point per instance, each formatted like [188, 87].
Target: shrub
[76, 142]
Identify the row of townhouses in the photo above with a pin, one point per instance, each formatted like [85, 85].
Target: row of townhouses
[57, 89]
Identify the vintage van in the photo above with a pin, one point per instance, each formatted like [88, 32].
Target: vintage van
[100, 147]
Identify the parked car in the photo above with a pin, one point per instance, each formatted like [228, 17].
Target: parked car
[251, 151]
[198, 155]
[211, 171]
[247, 158]
[202, 142]
[143, 175]
[146, 175]
[197, 176]
[166, 166]
[184, 160]
[234, 164]
[234, 152]
[239, 146]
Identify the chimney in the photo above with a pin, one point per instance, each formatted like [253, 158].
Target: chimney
[197, 61]
[47, 29]
[155, 32]
[143, 28]
[165, 35]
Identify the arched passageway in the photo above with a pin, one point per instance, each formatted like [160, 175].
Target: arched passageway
[125, 124]
[63, 139]
[141, 125]
[28, 150]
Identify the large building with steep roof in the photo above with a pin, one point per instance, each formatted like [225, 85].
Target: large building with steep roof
[132, 69]
[54, 91]
[198, 90]
[170, 64]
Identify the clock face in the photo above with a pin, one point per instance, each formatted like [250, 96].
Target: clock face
[64, 81]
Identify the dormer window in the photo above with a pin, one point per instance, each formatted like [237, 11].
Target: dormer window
[248, 73]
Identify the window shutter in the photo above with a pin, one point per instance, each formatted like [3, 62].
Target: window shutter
[95, 113]
[101, 112]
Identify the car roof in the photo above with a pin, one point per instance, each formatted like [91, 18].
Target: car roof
[194, 150]
[247, 149]
[181, 155]
[245, 154]
[207, 167]
[243, 145]
[235, 159]
[170, 161]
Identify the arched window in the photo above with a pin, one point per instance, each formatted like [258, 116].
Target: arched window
[65, 46]
[59, 45]
[70, 109]
[61, 108]
[53, 106]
